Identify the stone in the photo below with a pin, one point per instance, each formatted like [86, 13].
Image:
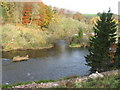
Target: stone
[95, 75]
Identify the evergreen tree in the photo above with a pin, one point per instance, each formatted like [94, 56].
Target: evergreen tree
[117, 55]
[100, 43]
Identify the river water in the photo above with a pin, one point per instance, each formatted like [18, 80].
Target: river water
[55, 63]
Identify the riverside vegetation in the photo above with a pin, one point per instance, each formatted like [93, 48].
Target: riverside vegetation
[22, 37]
[38, 26]
[111, 79]
[24, 30]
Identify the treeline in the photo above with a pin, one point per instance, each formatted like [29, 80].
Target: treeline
[36, 25]
[26, 13]
[38, 14]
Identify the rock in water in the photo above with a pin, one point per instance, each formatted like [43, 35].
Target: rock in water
[18, 58]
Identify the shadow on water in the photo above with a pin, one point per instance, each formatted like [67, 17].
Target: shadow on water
[55, 63]
[58, 48]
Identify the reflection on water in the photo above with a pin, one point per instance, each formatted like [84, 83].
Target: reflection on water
[54, 63]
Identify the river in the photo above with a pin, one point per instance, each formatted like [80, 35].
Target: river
[55, 63]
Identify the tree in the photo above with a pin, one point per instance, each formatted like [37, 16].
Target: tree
[45, 14]
[78, 16]
[105, 28]
[27, 11]
[117, 54]
[7, 10]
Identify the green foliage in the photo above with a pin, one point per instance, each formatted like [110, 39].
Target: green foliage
[3, 13]
[7, 10]
[100, 43]
[73, 44]
[110, 81]
[67, 27]
[59, 87]
[106, 82]
[76, 38]
[12, 85]
[44, 81]
[90, 15]
[117, 56]
[11, 11]
[80, 33]
[24, 83]
[70, 77]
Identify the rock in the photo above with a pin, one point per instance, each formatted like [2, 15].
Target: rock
[7, 83]
[18, 58]
[95, 75]
[55, 85]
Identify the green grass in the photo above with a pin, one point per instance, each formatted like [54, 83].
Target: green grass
[24, 83]
[45, 81]
[74, 45]
[39, 81]
[90, 15]
[12, 85]
[70, 77]
[112, 81]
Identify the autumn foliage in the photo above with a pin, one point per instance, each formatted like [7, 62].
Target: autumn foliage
[44, 15]
[27, 12]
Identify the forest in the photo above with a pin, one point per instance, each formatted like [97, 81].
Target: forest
[36, 25]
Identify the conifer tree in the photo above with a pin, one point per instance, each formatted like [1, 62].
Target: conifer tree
[117, 55]
[100, 43]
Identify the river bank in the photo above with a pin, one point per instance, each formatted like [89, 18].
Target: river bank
[21, 49]
[21, 37]
[111, 79]
[78, 46]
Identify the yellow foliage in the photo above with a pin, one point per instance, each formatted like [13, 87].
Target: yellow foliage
[94, 20]
[22, 37]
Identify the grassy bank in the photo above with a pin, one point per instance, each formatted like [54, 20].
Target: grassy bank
[37, 82]
[74, 45]
[111, 79]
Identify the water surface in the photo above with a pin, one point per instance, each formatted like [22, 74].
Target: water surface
[54, 63]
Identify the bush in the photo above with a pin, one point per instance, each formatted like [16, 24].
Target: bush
[20, 37]
[106, 82]
[67, 27]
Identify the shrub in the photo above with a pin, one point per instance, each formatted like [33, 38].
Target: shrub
[20, 37]
[67, 27]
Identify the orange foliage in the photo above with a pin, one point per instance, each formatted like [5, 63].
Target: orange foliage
[27, 10]
[45, 15]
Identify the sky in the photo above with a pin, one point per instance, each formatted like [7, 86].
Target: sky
[85, 6]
